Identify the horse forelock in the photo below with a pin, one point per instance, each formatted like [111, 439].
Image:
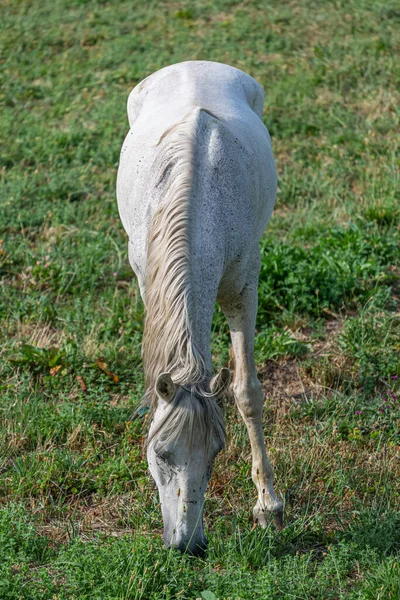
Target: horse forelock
[190, 414]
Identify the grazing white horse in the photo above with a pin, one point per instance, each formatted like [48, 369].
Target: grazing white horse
[196, 188]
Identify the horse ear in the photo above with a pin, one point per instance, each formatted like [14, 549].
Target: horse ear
[220, 383]
[165, 387]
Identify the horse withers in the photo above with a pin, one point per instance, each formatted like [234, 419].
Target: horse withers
[196, 187]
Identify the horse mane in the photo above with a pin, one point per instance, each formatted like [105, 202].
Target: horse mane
[168, 343]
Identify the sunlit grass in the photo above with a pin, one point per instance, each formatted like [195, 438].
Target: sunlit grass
[79, 517]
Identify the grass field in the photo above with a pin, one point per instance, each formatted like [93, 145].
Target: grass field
[78, 517]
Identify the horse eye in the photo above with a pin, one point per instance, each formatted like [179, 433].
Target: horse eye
[163, 455]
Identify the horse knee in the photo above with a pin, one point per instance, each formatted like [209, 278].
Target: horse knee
[250, 398]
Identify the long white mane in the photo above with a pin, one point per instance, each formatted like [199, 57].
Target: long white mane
[168, 344]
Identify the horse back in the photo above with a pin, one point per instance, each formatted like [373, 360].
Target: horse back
[232, 167]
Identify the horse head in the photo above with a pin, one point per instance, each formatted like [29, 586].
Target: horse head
[186, 434]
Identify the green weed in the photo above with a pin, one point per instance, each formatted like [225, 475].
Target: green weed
[79, 518]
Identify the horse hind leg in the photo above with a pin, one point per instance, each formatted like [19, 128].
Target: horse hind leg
[249, 397]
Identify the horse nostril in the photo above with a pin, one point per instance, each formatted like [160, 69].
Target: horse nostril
[200, 549]
[197, 549]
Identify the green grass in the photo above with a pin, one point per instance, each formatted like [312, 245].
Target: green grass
[78, 516]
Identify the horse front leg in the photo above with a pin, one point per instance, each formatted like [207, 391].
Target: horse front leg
[249, 398]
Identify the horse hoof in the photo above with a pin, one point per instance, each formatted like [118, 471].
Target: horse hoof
[261, 517]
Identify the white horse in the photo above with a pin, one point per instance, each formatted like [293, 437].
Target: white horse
[196, 188]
